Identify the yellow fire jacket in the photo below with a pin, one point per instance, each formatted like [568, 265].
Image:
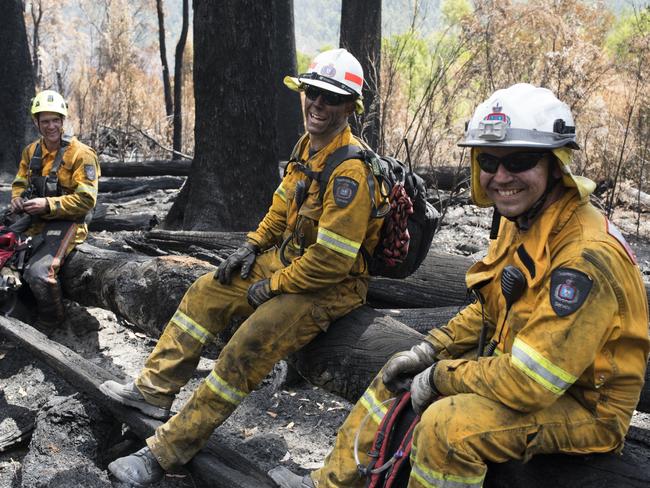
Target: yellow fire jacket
[330, 233]
[580, 327]
[78, 177]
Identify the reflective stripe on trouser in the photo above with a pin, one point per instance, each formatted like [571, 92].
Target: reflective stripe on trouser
[340, 468]
[457, 435]
[276, 329]
[41, 272]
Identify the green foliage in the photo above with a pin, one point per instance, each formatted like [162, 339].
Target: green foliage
[410, 57]
[630, 30]
[454, 11]
[303, 61]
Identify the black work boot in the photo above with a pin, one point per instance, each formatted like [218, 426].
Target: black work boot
[138, 469]
[286, 479]
[130, 396]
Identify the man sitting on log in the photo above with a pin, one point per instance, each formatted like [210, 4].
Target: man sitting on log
[561, 297]
[300, 270]
[56, 185]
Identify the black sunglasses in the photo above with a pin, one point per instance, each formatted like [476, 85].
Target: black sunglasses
[516, 162]
[330, 98]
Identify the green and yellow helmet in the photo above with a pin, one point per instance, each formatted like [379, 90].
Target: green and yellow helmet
[524, 116]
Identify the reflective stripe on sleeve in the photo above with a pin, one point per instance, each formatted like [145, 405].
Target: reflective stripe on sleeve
[338, 243]
[375, 408]
[434, 479]
[540, 369]
[81, 188]
[19, 179]
[222, 389]
[281, 192]
[192, 328]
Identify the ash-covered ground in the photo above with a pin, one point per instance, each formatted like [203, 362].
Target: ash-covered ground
[292, 423]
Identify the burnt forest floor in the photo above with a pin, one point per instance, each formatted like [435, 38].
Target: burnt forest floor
[286, 421]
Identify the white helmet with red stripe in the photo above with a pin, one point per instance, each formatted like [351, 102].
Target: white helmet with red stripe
[335, 70]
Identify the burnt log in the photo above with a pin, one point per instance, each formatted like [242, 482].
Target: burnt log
[176, 167]
[146, 291]
[105, 198]
[222, 465]
[143, 290]
[448, 178]
[129, 284]
[117, 185]
[114, 223]
[439, 282]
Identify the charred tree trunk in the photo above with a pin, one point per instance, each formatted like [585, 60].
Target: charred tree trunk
[16, 87]
[167, 88]
[178, 84]
[361, 35]
[37, 16]
[234, 172]
[288, 114]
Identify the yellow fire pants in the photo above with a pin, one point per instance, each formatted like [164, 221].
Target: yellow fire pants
[276, 329]
[457, 435]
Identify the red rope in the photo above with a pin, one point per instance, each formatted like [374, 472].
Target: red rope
[395, 233]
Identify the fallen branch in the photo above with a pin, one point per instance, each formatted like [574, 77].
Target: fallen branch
[116, 185]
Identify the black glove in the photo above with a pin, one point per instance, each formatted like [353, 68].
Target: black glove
[243, 257]
[259, 292]
[423, 390]
[401, 368]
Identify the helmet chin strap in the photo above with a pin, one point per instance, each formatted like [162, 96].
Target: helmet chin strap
[525, 220]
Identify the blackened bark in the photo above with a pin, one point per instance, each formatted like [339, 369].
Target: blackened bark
[16, 87]
[178, 84]
[169, 106]
[361, 35]
[289, 121]
[234, 172]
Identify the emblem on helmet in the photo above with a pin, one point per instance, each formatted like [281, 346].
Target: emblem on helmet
[328, 70]
[496, 114]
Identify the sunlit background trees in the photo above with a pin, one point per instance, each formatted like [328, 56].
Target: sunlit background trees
[438, 59]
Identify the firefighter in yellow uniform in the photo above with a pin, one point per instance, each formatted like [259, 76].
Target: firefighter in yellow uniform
[561, 298]
[300, 270]
[56, 185]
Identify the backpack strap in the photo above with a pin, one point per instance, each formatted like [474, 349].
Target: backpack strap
[52, 184]
[334, 160]
[46, 186]
[36, 163]
[341, 155]
[297, 150]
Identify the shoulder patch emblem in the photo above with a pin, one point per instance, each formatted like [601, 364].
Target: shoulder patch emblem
[345, 190]
[569, 290]
[89, 171]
